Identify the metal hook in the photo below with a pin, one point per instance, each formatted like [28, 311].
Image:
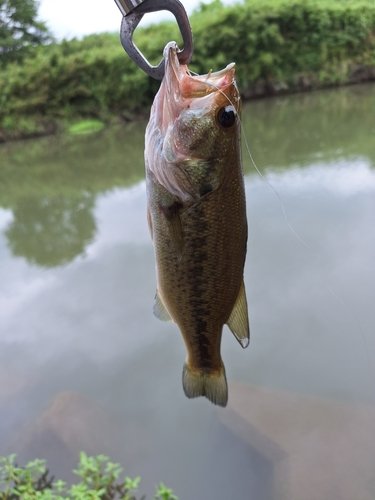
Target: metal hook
[133, 11]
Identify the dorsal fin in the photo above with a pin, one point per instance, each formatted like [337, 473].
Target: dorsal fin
[238, 320]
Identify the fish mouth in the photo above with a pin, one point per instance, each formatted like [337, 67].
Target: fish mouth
[182, 90]
[194, 86]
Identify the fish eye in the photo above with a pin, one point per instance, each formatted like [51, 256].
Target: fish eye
[226, 116]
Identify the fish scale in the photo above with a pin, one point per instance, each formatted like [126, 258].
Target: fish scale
[200, 235]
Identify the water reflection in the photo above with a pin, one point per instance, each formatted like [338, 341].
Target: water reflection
[319, 126]
[51, 231]
[51, 186]
[78, 341]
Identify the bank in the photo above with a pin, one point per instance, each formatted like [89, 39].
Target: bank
[280, 46]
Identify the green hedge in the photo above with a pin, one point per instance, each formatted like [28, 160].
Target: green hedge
[282, 40]
[88, 77]
[277, 44]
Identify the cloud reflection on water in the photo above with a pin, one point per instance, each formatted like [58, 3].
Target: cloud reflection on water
[344, 176]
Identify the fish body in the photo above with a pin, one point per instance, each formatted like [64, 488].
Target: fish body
[197, 217]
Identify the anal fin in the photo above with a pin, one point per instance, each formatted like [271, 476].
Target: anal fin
[159, 310]
[238, 321]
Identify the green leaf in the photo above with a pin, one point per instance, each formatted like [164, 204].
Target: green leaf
[164, 493]
[132, 484]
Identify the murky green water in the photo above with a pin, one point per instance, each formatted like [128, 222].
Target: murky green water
[85, 365]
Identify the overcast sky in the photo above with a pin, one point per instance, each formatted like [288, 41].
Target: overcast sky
[76, 18]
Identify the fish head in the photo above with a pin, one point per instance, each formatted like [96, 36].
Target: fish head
[200, 113]
[194, 118]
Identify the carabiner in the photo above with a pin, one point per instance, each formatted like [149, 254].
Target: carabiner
[133, 11]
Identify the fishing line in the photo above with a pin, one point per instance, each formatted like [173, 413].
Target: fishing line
[314, 252]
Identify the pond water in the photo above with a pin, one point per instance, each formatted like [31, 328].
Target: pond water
[83, 362]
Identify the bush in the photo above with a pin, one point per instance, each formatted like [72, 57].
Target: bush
[277, 40]
[277, 44]
[99, 481]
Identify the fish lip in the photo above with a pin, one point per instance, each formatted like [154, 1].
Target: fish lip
[172, 64]
[181, 70]
[182, 84]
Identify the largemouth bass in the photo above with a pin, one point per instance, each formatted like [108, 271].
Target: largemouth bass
[197, 217]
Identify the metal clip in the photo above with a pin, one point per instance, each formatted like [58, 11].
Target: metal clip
[133, 11]
[127, 6]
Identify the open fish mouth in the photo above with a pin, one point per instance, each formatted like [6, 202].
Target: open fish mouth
[182, 90]
[193, 86]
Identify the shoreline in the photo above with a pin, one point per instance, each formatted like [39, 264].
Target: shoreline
[48, 126]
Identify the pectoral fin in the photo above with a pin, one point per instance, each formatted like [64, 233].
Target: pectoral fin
[160, 310]
[172, 216]
[238, 321]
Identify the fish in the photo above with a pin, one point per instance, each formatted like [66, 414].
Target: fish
[196, 212]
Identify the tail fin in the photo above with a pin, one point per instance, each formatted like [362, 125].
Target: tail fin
[211, 385]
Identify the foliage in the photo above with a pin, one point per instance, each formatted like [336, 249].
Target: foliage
[86, 127]
[164, 493]
[89, 78]
[19, 29]
[289, 44]
[99, 481]
[278, 40]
